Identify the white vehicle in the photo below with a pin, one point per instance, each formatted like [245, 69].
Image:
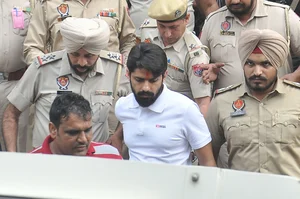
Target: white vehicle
[70, 177]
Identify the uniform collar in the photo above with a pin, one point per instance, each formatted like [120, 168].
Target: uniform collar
[177, 46]
[279, 88]
[158, 106]
[66, 69]
[259, 11]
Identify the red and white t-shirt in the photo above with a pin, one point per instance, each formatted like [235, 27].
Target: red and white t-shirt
[96, 149]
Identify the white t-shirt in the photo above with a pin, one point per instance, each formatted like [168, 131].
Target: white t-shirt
[164, 132]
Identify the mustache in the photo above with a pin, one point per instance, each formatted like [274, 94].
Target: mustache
[145, 93]
[78, 66]
[257, 78]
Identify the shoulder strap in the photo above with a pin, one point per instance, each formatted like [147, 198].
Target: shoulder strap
[228, 88]
[194, 48]
[294, 84]
[118, 58]
[149, 23]
[48, 58]
[112, 56]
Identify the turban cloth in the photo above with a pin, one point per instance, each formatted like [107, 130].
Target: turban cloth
[91, 35]
[271, 43]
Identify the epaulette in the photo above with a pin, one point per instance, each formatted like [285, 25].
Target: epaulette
[112, 56]
[270, 3]
[194, 46]
[224, 8]
[48, 58]
[149, 23]
[294, 84]
[228, 88]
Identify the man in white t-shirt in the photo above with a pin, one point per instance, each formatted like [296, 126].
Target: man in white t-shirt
[160, 125]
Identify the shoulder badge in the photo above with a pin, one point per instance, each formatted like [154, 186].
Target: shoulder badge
[194, 45]
[112, 56]
[224, 8]
[228, 88]
[294, 84]
[48, 58]
[149, 23]
[270, 3]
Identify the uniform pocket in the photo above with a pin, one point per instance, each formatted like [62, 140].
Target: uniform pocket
[224, 48]
[113, 23]
[238, 131]
[23, 32]
[100, 106]
[286, 128]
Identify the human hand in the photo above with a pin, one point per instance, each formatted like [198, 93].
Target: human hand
[210, 71]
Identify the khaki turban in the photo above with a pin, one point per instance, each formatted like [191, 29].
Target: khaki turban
[91, 35]
[271, 43]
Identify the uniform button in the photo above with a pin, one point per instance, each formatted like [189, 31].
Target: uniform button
[261, 104]
[285, 123]
[261, 122]
[237, 124]
[261, 144]
[263, 166]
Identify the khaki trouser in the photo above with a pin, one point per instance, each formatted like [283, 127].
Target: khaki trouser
[5, 88]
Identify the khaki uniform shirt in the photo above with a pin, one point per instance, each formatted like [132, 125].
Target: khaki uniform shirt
[265, 137]
[45, 25]
[11, 39]
[50, 75]
[222, 31]
[185, 79]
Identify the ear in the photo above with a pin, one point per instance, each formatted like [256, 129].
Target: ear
[53, 130]
[127, 73]
[187, 17]
[165, 75]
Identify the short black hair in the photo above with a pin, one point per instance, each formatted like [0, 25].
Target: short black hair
[67, 103]
[147, 56]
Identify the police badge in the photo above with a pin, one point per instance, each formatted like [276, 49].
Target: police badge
[63, 82]
[238, 106]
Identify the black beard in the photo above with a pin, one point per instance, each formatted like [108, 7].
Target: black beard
[241, 12]
[74, 67]
[260, 89]
[149, 100]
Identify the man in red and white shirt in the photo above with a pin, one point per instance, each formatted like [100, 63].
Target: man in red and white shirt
[71, 130]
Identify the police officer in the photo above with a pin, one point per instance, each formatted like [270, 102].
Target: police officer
[15, 16]
[139, 12]
[223, 28]
[81, 69]
[259, 119]
[43, 32]
[184, 50]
